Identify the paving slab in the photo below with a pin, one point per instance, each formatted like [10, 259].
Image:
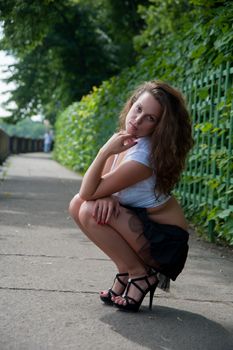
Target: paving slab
[51, 274]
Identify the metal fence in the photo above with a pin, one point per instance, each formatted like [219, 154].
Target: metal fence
[15, 144]
[208, 178]
[4, 146]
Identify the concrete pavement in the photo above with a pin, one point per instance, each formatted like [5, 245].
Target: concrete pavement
[50, 276]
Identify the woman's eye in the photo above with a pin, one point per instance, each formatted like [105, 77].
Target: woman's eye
[150, 118]
[138, 108]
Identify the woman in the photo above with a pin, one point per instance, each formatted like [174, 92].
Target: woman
[125, 205]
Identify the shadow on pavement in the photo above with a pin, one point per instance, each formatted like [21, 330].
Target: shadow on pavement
[166, 328]
[36, 201]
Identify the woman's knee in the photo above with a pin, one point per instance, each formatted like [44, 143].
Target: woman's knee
[86, 214]
[75, 205]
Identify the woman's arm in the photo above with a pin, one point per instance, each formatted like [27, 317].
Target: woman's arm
[95, 185]
[108, 165]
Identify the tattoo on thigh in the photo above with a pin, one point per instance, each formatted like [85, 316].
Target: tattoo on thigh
[135, 224]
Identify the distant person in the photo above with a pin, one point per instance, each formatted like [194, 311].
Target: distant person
[47, 141]
[52, 139]
[125, 205]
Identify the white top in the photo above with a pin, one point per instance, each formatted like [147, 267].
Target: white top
[142, 194]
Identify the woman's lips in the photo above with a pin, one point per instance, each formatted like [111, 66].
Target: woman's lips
[133, 127]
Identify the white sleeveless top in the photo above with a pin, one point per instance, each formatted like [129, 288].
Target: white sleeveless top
[141, 194]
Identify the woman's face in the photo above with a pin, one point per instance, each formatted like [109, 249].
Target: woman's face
[143, 116]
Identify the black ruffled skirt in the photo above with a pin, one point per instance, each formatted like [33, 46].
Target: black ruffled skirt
[168, 244]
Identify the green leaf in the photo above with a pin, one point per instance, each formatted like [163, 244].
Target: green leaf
[205, 127]
[225, 213]
[203, 93]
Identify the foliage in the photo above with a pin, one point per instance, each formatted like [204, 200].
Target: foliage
[183, 37]
[24, 128]
[49, 39]
[206, 187]
[63, 48]
[175, 48]
[124, 25]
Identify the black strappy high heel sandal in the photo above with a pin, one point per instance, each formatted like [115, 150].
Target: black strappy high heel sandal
[131, 303]
[107, 299]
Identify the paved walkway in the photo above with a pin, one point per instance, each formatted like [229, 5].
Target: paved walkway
[50, 275]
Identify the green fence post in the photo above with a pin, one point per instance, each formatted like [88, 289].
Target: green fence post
[211, 234]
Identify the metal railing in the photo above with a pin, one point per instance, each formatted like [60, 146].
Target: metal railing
[208, 180]
[15, 144]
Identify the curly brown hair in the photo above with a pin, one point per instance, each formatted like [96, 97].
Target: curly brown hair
[172, 137]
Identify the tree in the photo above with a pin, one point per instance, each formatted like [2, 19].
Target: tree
[60, 54]
[64, 48]
[125, 22]
[170, 30]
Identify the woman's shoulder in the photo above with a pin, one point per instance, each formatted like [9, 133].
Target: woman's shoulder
[143, 144]
[140, 152]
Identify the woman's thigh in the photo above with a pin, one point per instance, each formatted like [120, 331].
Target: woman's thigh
[130, 228]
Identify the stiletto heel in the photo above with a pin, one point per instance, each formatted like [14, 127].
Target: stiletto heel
[152, 292]
[107, 299]
[131, 303]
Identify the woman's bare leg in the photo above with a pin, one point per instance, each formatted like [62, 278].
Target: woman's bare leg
[128, 225]
[74, 209]
[106, 238]
[118, 239]
[111, 242]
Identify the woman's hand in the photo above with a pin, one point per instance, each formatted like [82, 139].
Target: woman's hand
[119, 142]
[104, 208]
